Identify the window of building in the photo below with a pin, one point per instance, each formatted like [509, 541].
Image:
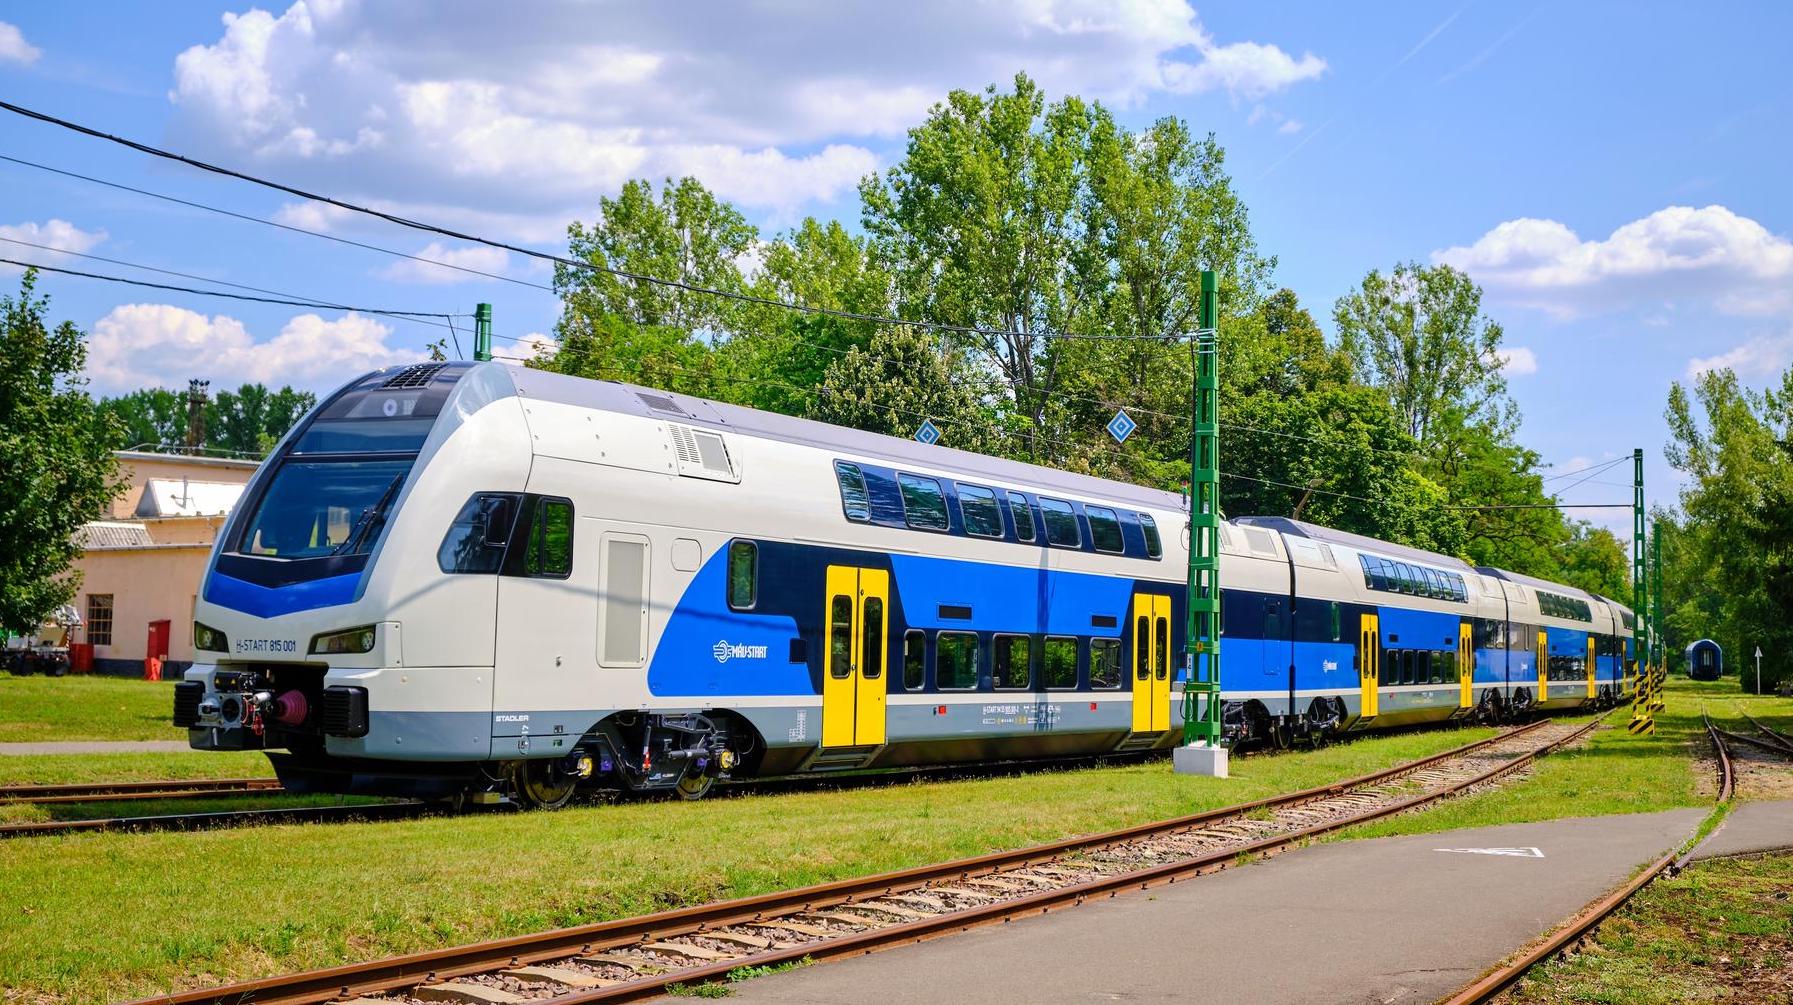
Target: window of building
[915, 660]
[743, 574]
[1023, 514]
[1059, 664]
[1104, 663]
[1154, 546]
[983, 518]
[1061, 524]
[1105, 529]
[1012, 666]
[99, 619]
[854, 501]
[924, 505]
[955, 661]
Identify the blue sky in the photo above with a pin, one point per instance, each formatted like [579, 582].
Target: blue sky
[1613, 174]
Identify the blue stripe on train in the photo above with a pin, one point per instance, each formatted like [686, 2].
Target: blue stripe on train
[271, 602]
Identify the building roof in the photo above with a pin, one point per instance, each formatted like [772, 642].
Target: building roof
[101, 534]
[177, 497]
[152, 457]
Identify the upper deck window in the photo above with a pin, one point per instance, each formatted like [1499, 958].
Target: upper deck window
[924, 505]
[1061, 524]
[1154, 546]
[983, 518]
[1023, 514]
[1105, 529]
[853, 498]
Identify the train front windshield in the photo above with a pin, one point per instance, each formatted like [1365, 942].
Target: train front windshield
[318, 509]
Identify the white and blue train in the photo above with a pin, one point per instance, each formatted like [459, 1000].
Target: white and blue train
[460, 579]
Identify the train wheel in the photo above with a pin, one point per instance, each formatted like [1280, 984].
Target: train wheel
[695, 785]
[539, 786]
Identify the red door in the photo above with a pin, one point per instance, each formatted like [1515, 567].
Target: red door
[158, 639]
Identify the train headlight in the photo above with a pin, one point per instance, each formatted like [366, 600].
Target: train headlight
[209, 639]
[355, 640]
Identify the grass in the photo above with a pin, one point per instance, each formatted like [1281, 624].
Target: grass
[101, 917]
[52, 769]
[1721, 931]
[85, 707]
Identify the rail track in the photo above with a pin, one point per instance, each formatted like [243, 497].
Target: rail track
[634, 958]
[1591, 916]
[1781, 742]
[111, 792]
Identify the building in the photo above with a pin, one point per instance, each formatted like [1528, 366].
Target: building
[142, 561]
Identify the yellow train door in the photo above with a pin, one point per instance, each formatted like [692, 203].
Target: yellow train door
[1593, 666]
[1543, 666]
[1369, 659]
[1465, 665]
[1151, 663]
[857, 617]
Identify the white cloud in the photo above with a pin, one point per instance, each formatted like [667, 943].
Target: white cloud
[310, 215]
[1517, 361]
[405, 270]
[14, 48]
[160, 345]
[1762, 356]
[1289, 126]
[533, 112]
[1674, 253]
[526, 348]
[58, 234]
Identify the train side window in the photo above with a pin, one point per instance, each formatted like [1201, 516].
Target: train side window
[855, 502]
[983, 518]
[743, 575]
[1012, 667]
[1059, 663]
[1161, 665]
[1441, 666]
[1105, 529]
[955, 661]
[476, 539]
[1104, 664]
[1389, 668]
[547, 539]
[1142, 648]
[1154, 546]
[924, 505]
[1023, 514]
[1409, 674]
[1061, 524]
[915, 659]
[840, 637]
[872, 666]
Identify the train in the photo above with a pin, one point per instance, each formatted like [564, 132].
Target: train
[476, 581]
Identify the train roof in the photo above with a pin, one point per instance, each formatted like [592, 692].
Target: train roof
[1301, 528]
[1536, 583]
[615, 396]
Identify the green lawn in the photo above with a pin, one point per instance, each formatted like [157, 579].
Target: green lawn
[1721, 931]
[52, 769]
[100, 917]
[39, 709]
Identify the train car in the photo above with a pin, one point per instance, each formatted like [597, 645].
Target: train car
[460, 579]
[1705, 660]
[1561, 633]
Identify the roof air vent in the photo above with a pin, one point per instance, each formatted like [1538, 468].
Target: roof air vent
[418, 375]
[660, 403]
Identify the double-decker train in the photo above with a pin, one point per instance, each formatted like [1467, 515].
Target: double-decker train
[471, 579]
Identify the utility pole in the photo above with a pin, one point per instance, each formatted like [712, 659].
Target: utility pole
[1201, 752]
[196, 399]
[1656, 635]
[1641, 720]
[482, 332]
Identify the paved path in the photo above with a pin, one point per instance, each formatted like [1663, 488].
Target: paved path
[1392, 920]
[1751, 827]
[95, 747]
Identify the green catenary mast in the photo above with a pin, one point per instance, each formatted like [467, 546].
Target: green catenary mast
[1201, 688]
[1640, 609]
[482, 332]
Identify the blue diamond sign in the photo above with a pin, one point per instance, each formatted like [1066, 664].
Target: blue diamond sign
[1121, 426]
[928, 433]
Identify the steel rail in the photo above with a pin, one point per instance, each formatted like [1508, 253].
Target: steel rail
[1758, 743]
[434, 966]
[173, 788]
[1774, 736]
[1492, 984]
[217, 818]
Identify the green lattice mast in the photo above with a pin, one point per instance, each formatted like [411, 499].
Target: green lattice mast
[1201, 688]
[1640, 597]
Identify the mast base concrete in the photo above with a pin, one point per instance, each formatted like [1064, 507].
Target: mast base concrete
[1199, 759]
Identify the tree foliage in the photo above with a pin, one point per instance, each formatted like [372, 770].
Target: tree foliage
[246, 422]
[56, 465]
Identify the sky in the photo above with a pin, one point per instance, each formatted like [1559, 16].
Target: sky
[1612, 174]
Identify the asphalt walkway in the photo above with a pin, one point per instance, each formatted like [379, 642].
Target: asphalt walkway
[1751, 827]
[94, 747]
[1392, 920]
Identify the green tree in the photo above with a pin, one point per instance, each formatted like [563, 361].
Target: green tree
[153, 417]
[903, 378]
[1594, 560]
[252, 419]
[56, 455]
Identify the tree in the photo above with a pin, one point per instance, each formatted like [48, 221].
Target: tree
[153, 417]
[252, 419]
[1594, 560]
[56, 455]
[903, 378]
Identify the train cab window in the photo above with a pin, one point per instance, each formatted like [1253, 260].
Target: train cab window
[1012, 668]
[1105, 529]
[840, 637]
[1154, 546]
[924, 505]
[1061, 524]
[983, 518]
[1023, 514]
[871, 666]
[955, 661]
[854, 500]
[476, 539]
[915, 660]
[1104, 664]
[743, 574]
[1059, 663]
[548, 545]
